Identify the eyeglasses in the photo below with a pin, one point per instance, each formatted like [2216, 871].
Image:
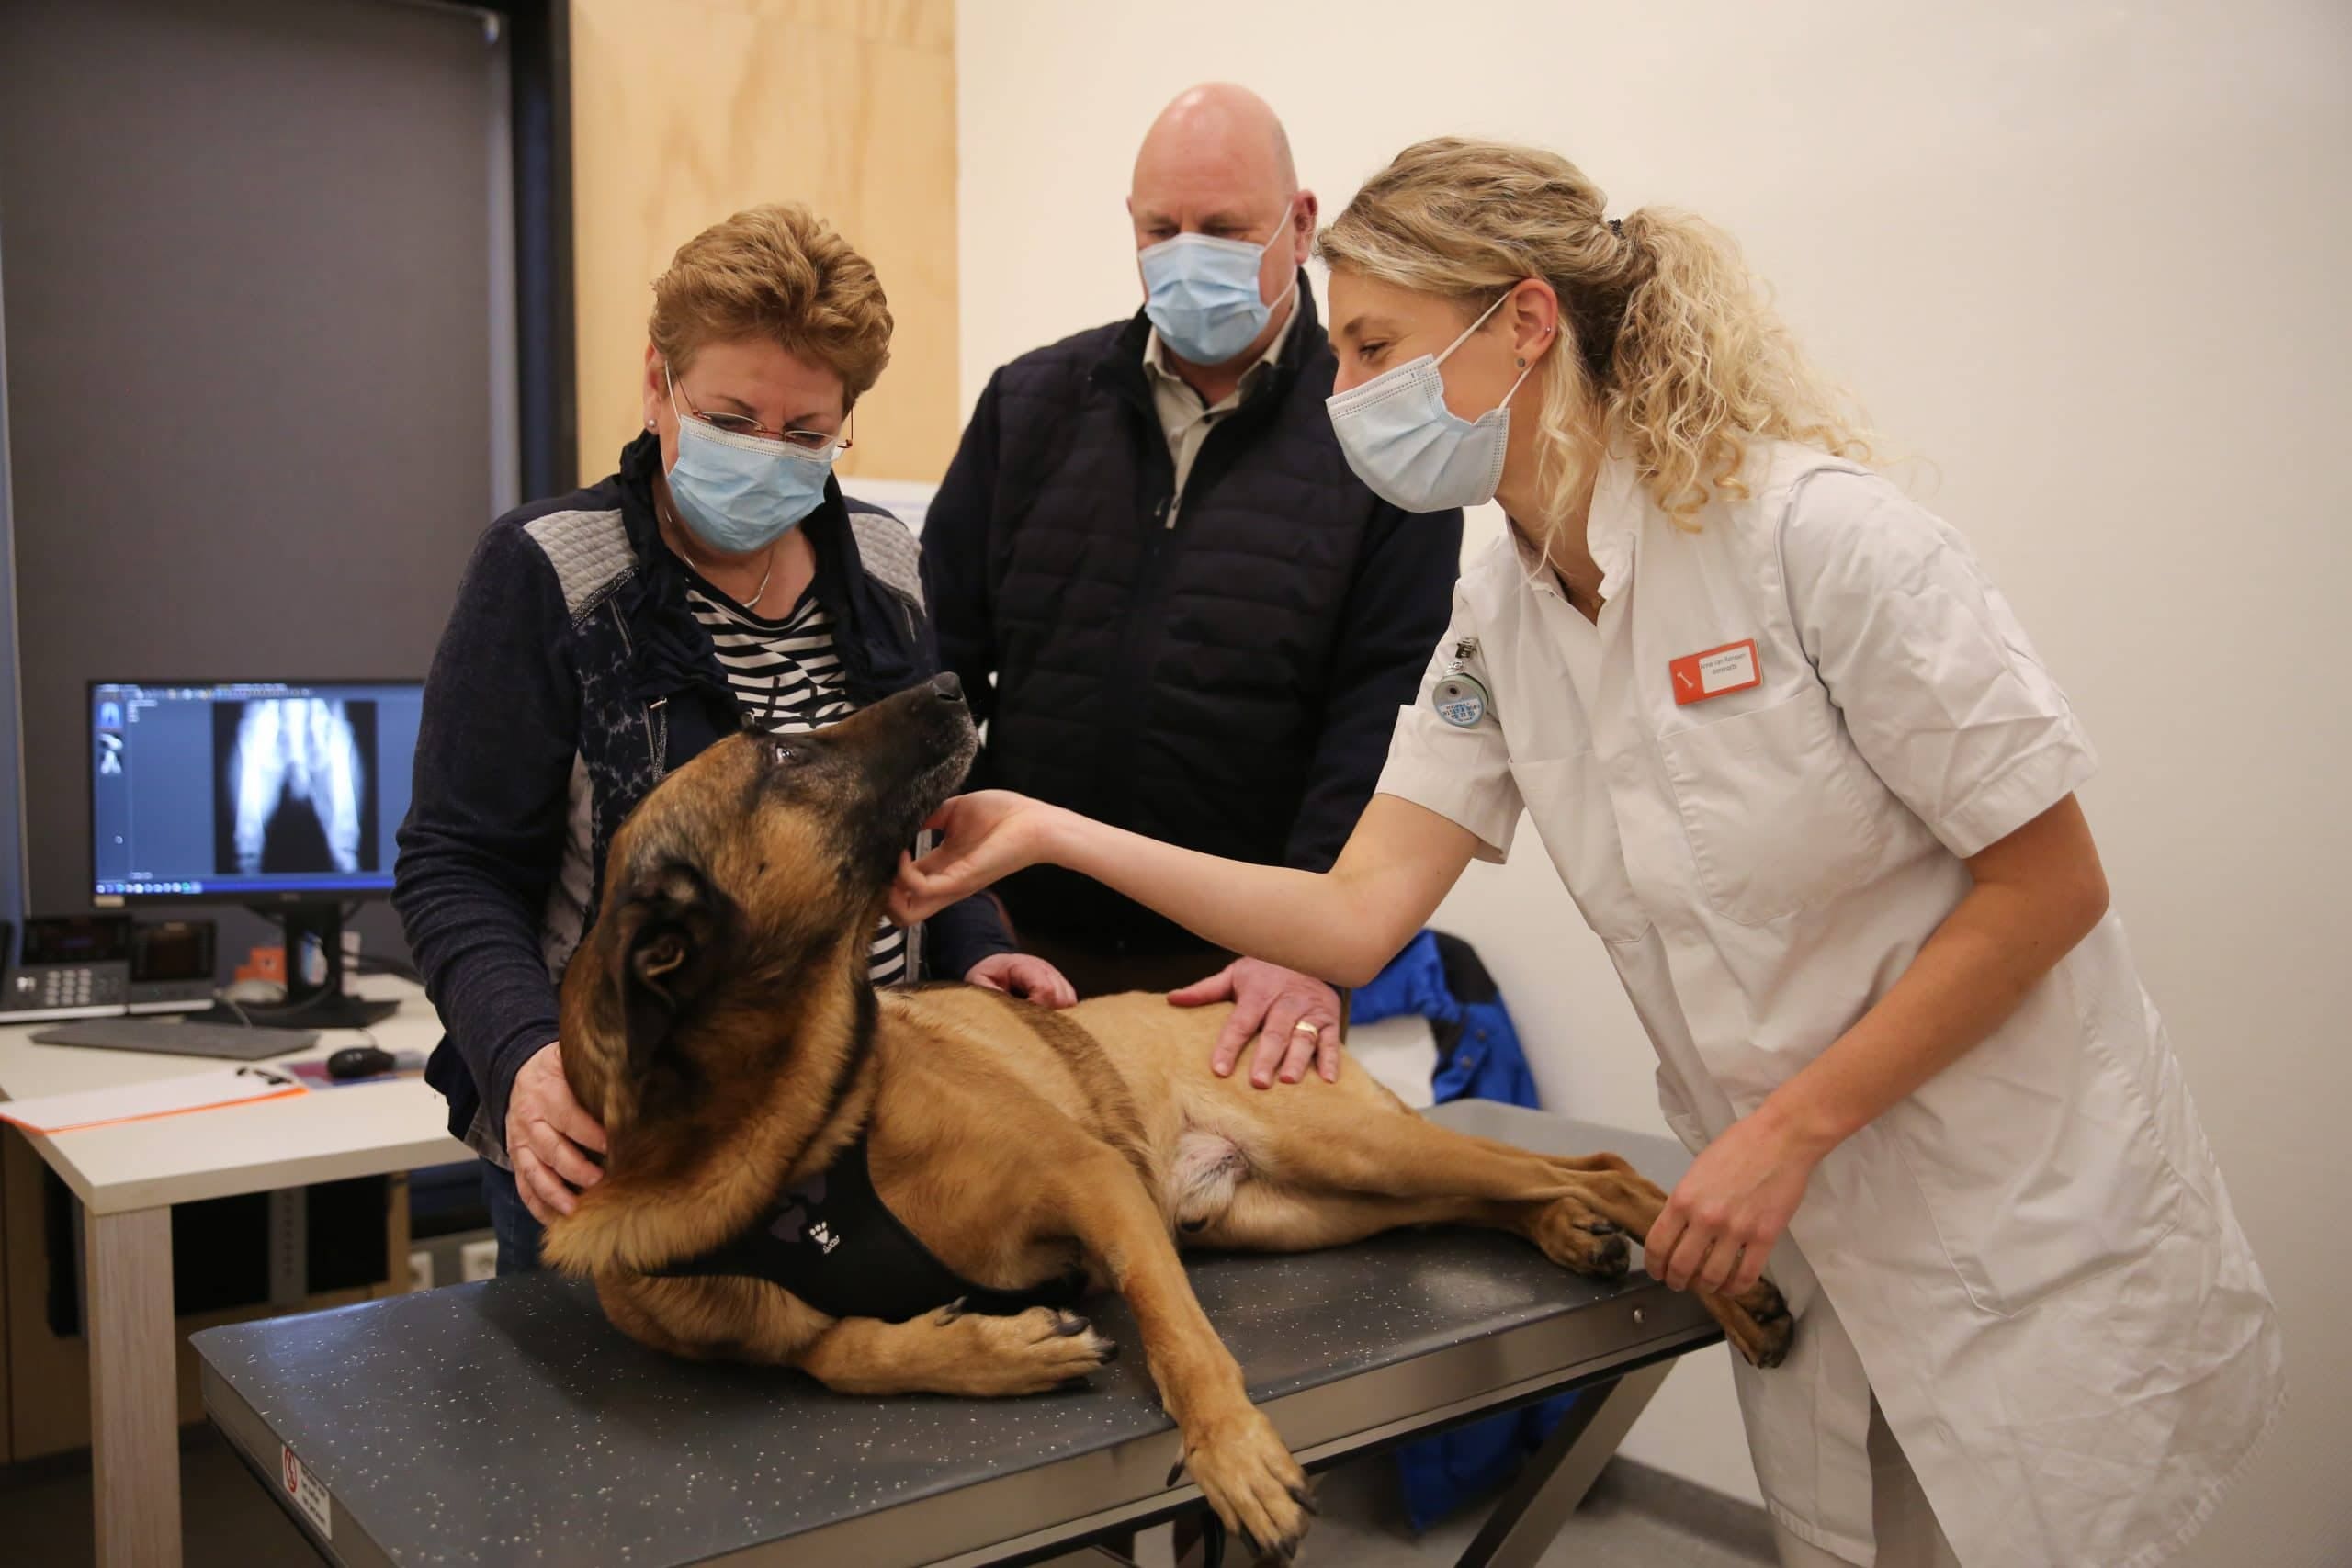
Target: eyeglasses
[810, 443]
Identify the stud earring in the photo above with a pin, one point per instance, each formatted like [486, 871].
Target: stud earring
[1522, 361]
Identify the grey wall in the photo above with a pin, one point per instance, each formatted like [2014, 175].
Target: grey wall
[251, 277]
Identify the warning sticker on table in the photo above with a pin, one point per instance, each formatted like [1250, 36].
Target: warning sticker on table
[305, 1491]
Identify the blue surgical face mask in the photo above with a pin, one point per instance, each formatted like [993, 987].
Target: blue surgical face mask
[1201, 293]
[741, 493]
[1412, 451]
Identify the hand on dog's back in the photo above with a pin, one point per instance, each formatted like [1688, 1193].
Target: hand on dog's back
[1293, 1019]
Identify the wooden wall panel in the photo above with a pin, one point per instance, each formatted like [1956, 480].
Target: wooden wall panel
[686, 110]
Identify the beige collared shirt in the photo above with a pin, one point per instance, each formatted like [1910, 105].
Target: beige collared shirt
[1185, 415]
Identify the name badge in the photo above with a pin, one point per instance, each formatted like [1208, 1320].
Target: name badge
[1716, 672]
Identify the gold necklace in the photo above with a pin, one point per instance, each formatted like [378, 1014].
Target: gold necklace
[757, 594]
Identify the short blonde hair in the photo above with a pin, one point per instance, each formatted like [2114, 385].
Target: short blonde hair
[777, 272]
[1673, 356]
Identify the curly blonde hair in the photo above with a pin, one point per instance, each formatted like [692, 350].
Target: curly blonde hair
[778, 272]
[1673, 354]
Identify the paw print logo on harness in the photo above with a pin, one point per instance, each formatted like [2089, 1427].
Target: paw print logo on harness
[792, 1224]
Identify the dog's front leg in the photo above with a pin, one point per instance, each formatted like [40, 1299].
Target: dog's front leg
[1232, 1450]
[953, 1351]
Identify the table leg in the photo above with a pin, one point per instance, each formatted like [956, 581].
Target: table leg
[1531, 1515]
[134, 1387]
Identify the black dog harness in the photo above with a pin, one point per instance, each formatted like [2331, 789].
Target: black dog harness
[833, 1241]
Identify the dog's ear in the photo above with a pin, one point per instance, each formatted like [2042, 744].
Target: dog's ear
[674, 927]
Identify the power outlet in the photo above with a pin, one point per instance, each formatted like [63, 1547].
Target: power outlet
[420, 1269]
[478, 1261]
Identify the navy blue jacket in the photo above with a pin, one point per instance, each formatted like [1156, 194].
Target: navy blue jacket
[571, 678]
[1219, 669]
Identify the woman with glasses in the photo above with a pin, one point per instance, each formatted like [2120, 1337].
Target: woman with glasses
[719, 578]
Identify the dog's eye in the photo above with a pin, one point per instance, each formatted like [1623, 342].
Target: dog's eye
[784, 754]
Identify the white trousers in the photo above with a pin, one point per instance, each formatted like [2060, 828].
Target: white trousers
[1908, 1536]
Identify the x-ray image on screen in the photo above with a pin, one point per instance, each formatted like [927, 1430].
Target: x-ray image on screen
[297, 786]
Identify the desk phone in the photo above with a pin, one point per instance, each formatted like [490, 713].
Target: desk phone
[69, 963]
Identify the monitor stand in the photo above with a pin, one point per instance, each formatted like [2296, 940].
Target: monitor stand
[324, 1006]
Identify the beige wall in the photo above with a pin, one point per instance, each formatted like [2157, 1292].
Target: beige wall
[2089, 259]
[686, 110]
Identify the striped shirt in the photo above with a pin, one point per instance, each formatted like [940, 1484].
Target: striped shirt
[787, 678]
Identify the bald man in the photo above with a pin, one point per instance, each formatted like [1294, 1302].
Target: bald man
[1175, 607]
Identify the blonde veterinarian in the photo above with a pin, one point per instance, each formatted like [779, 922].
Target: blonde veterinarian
[1804, 774]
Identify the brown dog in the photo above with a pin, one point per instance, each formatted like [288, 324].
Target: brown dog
[719, 1022]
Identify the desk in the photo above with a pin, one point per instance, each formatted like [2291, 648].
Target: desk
[129, 1176]
[505, 1421]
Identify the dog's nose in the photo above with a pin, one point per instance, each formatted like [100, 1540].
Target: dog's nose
[947, 688]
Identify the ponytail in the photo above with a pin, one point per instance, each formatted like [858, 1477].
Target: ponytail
[1676, 360]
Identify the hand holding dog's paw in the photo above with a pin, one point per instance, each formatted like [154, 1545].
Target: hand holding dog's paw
[1251, 1481]
[1028, 1353]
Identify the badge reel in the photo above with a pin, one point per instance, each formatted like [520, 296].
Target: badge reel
[1459, 696]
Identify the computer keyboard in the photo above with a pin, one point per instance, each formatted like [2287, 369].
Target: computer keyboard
[179, 1039]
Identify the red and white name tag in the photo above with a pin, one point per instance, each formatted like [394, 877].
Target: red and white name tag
[1716, 672]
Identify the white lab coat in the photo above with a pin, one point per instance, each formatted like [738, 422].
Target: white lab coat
[2032, 1259]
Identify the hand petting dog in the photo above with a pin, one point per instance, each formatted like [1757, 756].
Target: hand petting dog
[984, 836]
[1295, 1018]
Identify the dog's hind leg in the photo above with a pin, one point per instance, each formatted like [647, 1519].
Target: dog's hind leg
[1264, 1216]
[1580, 1210]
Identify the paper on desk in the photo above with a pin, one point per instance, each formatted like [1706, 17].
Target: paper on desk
[158, 1097]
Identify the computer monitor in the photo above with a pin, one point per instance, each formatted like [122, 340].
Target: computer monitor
[281, 795]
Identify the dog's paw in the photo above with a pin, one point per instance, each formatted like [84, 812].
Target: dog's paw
[1579, 1240]
[1758, 1324]
[1768, 1330]
[1251, 1482]
[1028, 1353]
